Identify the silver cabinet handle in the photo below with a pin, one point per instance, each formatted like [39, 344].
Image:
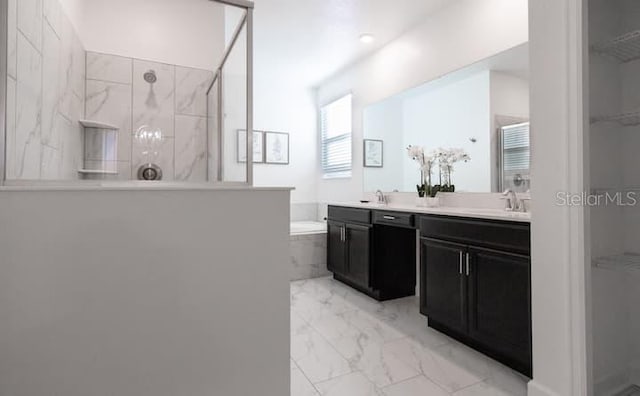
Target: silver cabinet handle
[343, 234]
[460, 269]
[468, 271]
[388, 217]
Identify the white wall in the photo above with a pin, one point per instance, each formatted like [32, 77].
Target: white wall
[152, 292]
[186, 33]
[509, 95]
[446, 117]
[463, 33]
[558, 232]
[385, 121]
[283, 106]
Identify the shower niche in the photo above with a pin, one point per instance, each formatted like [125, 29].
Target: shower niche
[122, 111]
[614, 141]
[100, 150]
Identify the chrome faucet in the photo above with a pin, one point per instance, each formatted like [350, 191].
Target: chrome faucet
[511, 200]
[513, 203]
[382, 200]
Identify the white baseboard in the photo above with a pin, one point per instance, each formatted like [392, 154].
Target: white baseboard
[537, 389]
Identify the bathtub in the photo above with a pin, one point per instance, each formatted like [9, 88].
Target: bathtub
[308, 227]
[308, 250]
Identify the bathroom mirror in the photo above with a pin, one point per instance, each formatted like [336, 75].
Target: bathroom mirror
[482, 109]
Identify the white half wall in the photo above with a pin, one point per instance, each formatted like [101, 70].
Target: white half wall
[459, 35]
[151, 292]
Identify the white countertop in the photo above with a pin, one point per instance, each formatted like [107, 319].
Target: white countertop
[478, 213]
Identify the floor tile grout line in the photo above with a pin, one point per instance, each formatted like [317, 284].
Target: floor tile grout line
[342, 376]
[418, 369]
[305, 376]
[468, 386]
[425, 376]
[333, 348]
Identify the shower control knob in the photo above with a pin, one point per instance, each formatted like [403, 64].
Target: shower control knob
[149, 172]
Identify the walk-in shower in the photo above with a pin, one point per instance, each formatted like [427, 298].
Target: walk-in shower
[56, 80]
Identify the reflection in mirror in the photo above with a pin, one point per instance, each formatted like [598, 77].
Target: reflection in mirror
[482, 110]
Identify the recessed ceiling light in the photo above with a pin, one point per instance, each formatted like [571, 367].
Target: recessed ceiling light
[367, 38]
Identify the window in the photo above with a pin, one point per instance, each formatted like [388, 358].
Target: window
[335, 119]
[516, 157]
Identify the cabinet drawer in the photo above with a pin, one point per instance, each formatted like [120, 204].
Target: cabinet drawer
[349, 215]
[493, 234]
[393, 218]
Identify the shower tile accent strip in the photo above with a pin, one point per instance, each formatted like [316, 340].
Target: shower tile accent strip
[45, 95]
[118, 94]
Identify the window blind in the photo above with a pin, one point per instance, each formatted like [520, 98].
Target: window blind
[516, 152]
[336, 120]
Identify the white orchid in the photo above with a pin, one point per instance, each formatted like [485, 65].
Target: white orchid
[444, 158]
[447, 159]
[415, 152]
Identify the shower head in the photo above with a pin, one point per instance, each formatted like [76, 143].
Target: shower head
[150, 76]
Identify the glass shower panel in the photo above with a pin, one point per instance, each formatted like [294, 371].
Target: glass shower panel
[234, 100]
[213, 131]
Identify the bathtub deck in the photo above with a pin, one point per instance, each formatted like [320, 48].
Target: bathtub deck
[308, 250]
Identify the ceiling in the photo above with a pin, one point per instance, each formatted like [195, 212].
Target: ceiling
[309, 40]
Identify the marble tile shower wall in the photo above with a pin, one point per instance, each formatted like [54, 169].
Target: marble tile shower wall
[45, 92]
[117, 93]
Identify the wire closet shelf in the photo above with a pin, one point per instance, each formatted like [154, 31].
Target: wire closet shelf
[620, 262]
[624, 49]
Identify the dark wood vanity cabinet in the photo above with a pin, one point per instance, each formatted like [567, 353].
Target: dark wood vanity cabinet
[348, 251]
[349, 246]
[443, 294]
[336, 248]
[476, 285]
[500, 305]
[375, 257]
[358, 253]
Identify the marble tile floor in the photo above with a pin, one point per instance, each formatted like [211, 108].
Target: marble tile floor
[344, 343]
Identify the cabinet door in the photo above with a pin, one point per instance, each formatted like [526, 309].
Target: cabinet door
[359, 254]
[500, 305]
[336, 258]
[443, 293]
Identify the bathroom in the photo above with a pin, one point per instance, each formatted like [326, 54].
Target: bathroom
[405, 175]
